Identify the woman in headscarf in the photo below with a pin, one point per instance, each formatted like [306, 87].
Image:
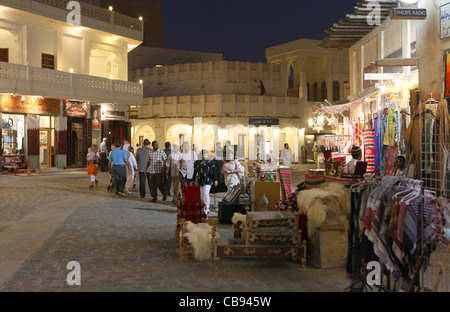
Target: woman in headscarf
[131, 169]
[232, 170]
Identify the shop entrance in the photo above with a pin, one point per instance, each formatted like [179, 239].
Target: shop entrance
[77, 143]
[45, 148]
[309, 143]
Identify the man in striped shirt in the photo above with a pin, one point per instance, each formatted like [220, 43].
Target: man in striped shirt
[156, 160]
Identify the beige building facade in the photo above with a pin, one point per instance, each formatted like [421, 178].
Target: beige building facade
[252, 105]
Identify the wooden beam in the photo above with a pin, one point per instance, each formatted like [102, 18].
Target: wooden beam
[397, 62]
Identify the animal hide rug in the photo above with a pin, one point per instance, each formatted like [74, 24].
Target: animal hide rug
[330, 202]
[199, 237]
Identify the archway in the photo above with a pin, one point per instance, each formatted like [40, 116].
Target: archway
[143, 132]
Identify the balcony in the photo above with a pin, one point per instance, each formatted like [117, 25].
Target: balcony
[27, 80]
[91, 16]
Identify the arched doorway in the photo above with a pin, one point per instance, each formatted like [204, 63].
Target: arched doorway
[142, 133]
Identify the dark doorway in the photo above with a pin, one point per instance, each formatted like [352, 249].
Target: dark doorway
[78, 141]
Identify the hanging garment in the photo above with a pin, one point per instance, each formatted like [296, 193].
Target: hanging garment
[376, 145]
[391, 156]
[369, 152]
[382, 152]
[389, 136]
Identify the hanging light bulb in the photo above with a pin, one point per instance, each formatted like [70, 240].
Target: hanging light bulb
[310, 122]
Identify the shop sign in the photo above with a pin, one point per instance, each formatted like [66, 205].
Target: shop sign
[264, 122]
[445, 21]
[75, 109]
[409, 14]
[111, 112]
[29, 105]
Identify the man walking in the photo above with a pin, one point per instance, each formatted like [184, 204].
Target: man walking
[118, 161]
[156, 160]
[286, 157]
[141, 159]
[167, 175]
[172, 169]
[103, 156]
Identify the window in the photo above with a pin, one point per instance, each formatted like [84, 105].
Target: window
[308, 91]
[4, 55]
[323, 92]
[336, 91]
[291, 78]
[315, 92]
[48, 61]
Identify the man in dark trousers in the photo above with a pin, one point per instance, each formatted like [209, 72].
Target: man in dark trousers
[167, 176]
[156, 160]
[118, 160]
[141, 159]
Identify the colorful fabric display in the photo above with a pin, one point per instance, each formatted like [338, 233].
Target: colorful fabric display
[369, 149]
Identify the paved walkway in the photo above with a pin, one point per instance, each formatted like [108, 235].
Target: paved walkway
[122, 244]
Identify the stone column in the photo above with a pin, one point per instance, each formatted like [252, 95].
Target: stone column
[33, 142]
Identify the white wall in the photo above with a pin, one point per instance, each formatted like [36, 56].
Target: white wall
[34, 35]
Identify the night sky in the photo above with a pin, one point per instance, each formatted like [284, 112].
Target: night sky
[243, 29]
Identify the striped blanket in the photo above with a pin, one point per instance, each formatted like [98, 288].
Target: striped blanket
[313, 181]
[286, 181]
[369, 149]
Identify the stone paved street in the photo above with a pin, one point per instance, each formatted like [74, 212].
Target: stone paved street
[122, 244]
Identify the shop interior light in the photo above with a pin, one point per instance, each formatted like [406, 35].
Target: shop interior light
[310, 122]
[110, 8]
[111, 76]
[141, 18]
[141, 81]
[320, 120]
[71, 70]
[115, 38]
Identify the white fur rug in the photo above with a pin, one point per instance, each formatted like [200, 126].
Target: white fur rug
[330, 202]
[199, 236]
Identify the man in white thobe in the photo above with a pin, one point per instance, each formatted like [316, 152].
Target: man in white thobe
[286, 157]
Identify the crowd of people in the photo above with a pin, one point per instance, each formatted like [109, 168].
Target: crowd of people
[167, 170]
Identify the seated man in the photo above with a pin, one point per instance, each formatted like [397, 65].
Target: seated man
[351, 165]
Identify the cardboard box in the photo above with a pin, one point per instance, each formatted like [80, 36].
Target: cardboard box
[328, 249]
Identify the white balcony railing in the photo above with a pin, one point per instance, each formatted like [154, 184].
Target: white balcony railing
[98, 13]
[27, 80]
[91, 16]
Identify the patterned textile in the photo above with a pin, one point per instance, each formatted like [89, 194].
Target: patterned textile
[376, 147]
[346, 181]
[191, 207]
[313, 181]
[286, 181]
[156, 159]
[391, 156]
[369, 149]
